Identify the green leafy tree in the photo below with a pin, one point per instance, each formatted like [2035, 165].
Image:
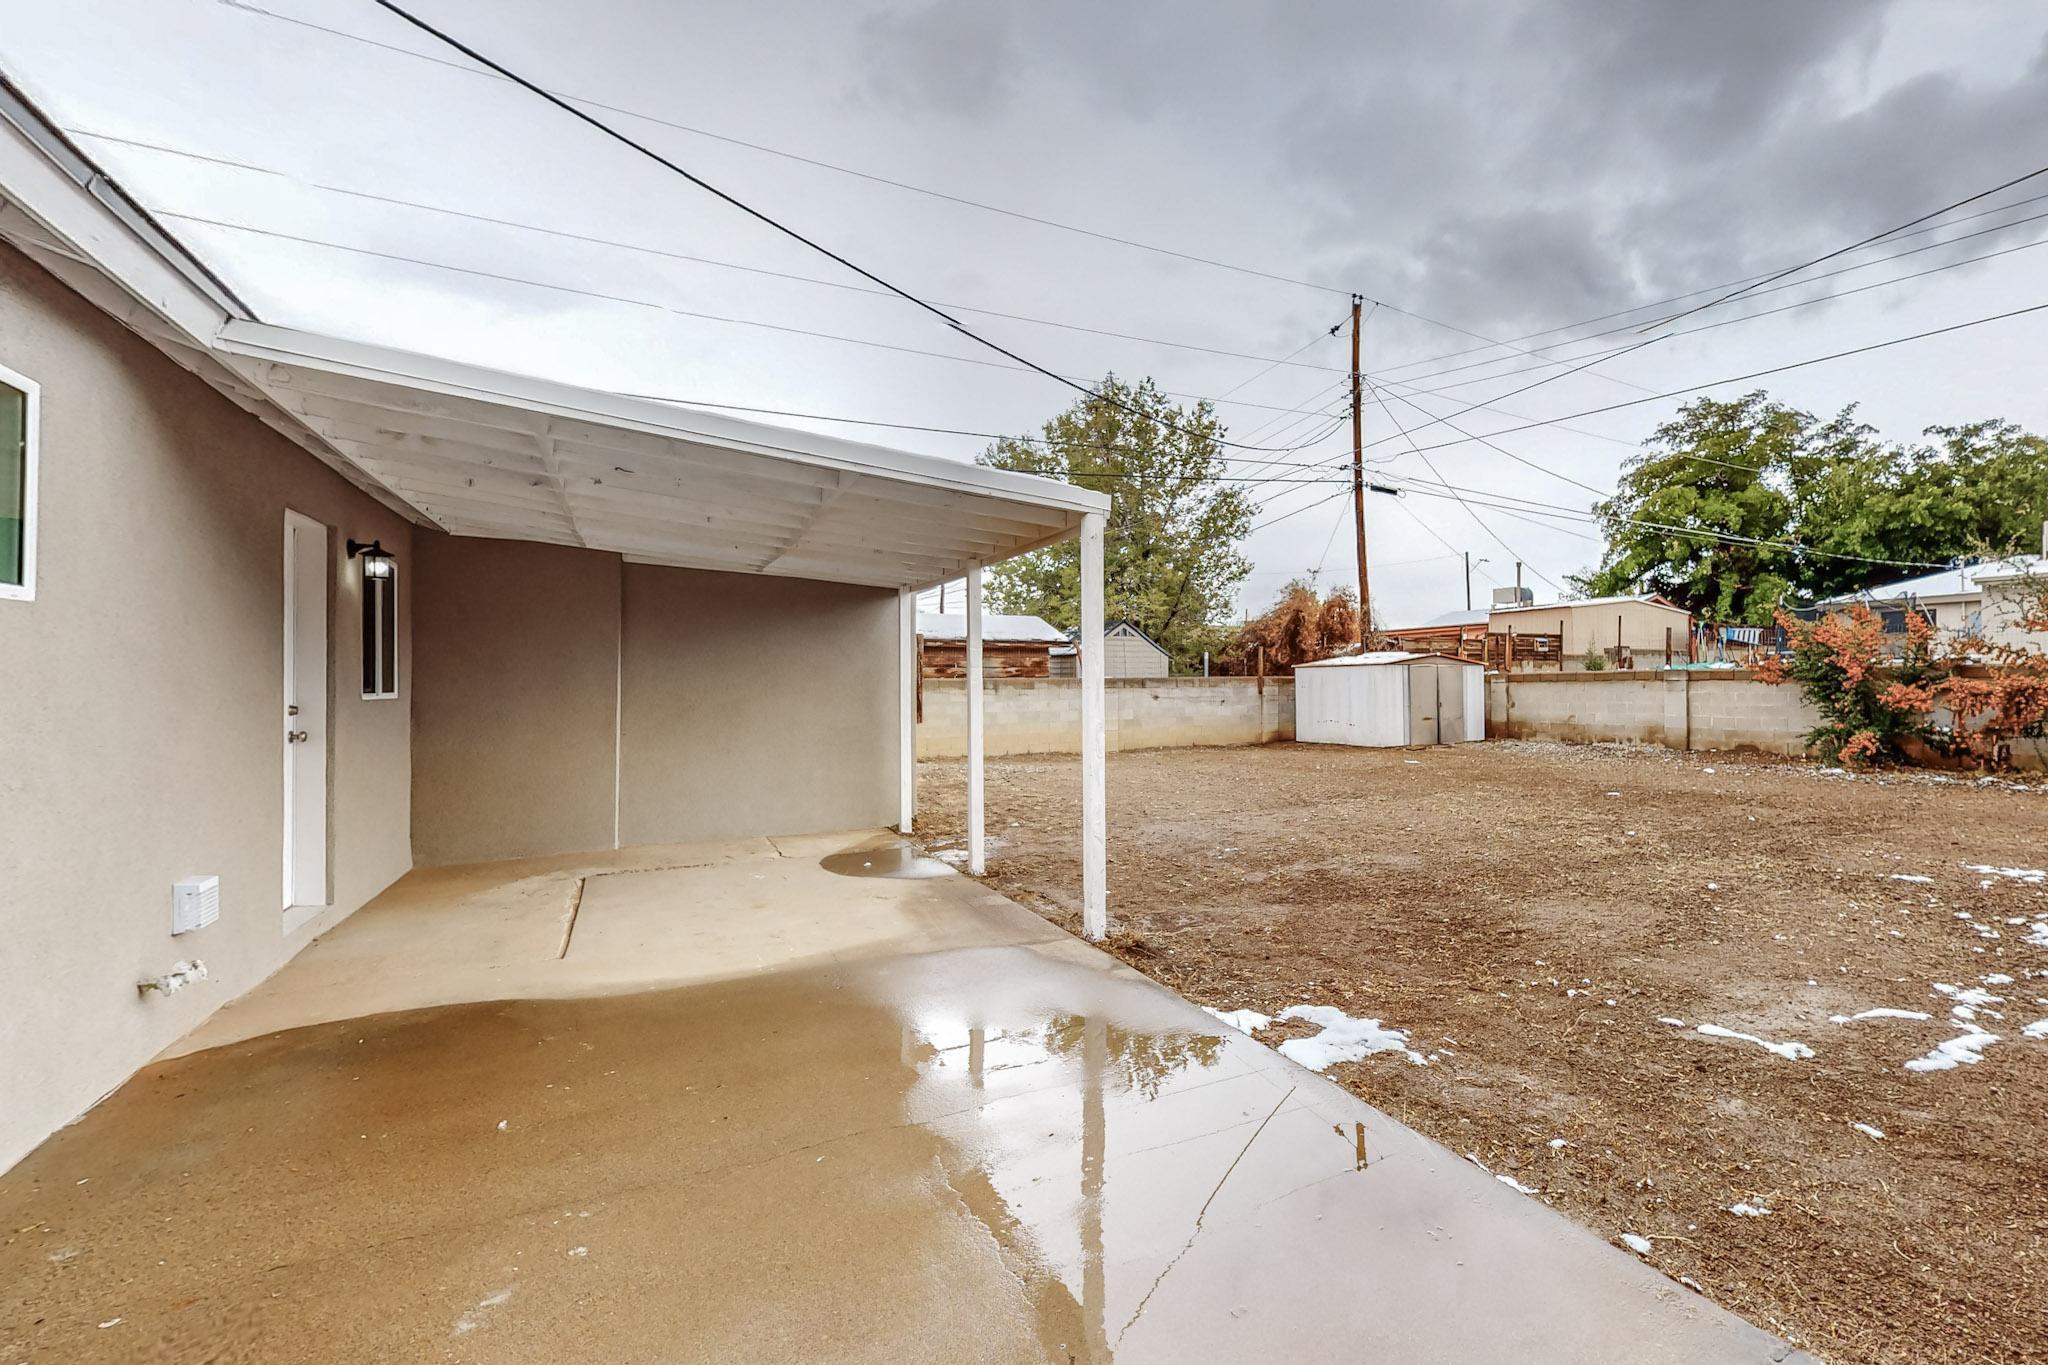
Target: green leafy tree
[1972, 491]
[1170, 557]
[1711, 469]
[1751, 469]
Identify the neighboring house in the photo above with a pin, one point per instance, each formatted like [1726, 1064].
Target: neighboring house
[284, 616]
[1643, 631]
[1128, 652]
[1952, 599]
[1461, 634]
[1011, 646]
[2010, 596]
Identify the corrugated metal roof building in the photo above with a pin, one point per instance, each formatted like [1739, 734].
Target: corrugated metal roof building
[1390, 699]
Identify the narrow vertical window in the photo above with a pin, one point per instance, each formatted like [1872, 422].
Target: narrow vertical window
[17, 486]
[380, 627]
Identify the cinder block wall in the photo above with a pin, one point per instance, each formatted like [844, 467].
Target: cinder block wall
[1679, 708]
[1043, 715]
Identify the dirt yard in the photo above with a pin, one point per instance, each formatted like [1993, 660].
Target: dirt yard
[1552, 925]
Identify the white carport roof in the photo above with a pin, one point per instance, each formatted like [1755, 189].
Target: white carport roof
[483, 452]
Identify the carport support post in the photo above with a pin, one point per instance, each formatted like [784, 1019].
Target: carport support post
[1094, 797]
[906, 706]
[977, 859]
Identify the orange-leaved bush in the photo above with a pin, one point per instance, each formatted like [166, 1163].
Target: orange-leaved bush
[1873, 690]
[2006, 696]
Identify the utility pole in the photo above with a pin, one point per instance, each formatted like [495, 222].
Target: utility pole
[1358, 479]
[1468, 573]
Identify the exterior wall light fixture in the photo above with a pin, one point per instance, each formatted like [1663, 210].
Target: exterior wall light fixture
[376, 559]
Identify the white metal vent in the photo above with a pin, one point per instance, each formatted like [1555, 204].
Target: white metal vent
[195, 903]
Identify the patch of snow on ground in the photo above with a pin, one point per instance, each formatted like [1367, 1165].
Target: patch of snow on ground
[2037, 936]
[1639, 1245]
[1965, 1049]
[1910, 877]
[468, 1321]
[1515, 1184]
[1244, 1021]
[1747, 1210]
[2037, 1029]
[1675, 1023]
[1874, 1134]
[1883, 1013]
[2033, 876]
[1789, 1051]
[1557, 1144]
[1969, 999]
[1343, 1038]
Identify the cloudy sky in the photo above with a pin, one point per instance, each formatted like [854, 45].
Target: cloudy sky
[1479, 168]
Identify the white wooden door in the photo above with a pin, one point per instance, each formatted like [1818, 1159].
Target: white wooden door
[303, 722]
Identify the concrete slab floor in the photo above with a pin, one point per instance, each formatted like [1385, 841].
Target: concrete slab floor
[883, 1120]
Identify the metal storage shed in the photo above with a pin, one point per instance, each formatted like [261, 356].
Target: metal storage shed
[1390, 699]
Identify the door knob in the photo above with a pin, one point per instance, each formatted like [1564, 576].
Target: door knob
[295, 737]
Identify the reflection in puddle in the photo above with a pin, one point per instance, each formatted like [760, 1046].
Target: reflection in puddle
[894, 860]
[1045, 1182]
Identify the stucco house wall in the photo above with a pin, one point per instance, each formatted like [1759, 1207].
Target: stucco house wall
[515, 698]
[141, 716]
[755, 705]
[1641, 626]
[2007, 602]
[568, 701]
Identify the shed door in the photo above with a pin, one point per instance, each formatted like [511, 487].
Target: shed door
[1450, 703]
[1422, 705]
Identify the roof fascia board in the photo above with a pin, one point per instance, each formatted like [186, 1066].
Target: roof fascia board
[287, 347]
[1055, 538]
[51, 181]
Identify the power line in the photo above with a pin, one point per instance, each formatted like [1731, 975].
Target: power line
[1655, 337]
[1531, 507]
[765, 218]
[700, 315]
[564, 99]
[1312, 468]
[1305, 507]
[1468, 507]
[815, 162]
[1783, 308]
[1489, 444]
[1853, 246]
[792, 277]
[1744, 378]
[1759, 278]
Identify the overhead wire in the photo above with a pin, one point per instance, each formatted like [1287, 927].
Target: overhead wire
[1483, 524]
[245, 6]
[1742, 378]
[1069, 382]
[769, 220]
[1271, 363]
[1655, 336]
[1945, 209]
[1387, 371]
[1885, 283]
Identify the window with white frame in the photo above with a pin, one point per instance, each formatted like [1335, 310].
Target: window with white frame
[19, 400]
[380, 627]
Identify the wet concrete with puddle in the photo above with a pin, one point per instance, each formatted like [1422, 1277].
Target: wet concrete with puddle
[1010, 1153]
